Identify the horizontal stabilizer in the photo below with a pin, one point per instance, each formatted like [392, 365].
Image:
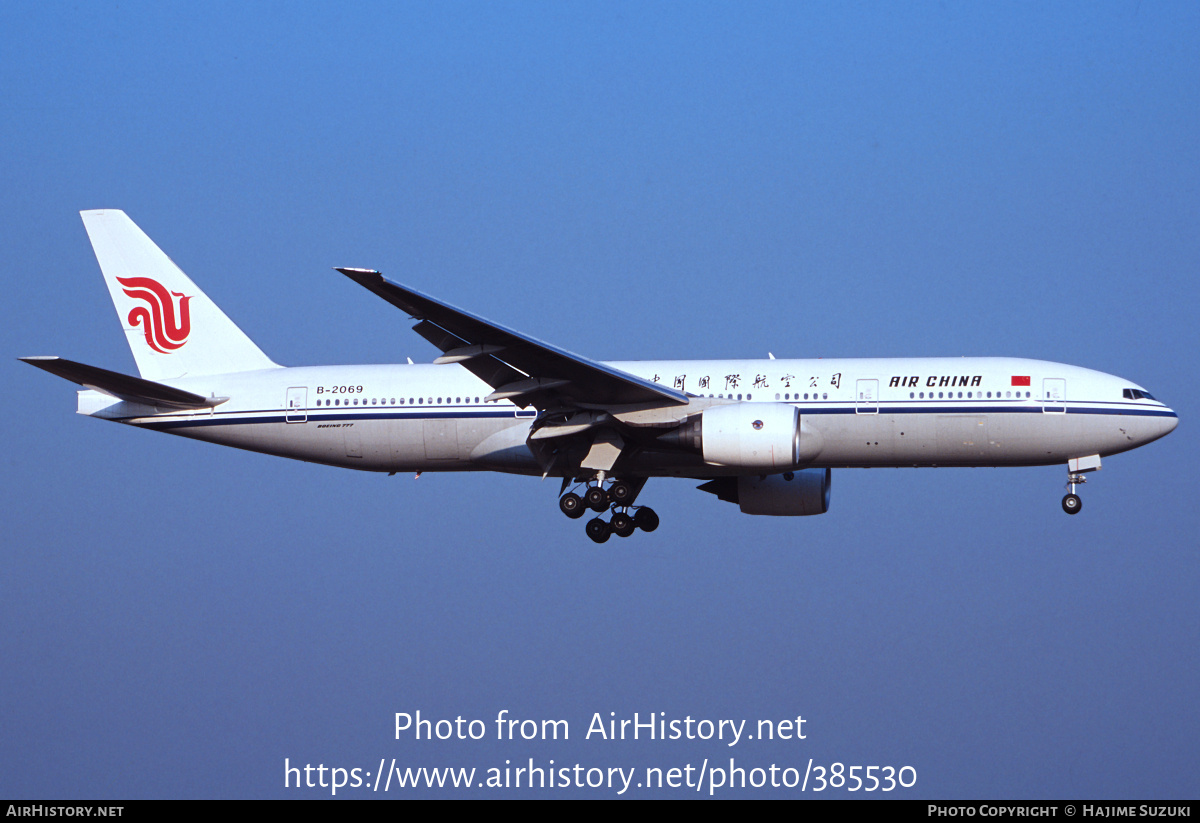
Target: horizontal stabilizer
[133, 389]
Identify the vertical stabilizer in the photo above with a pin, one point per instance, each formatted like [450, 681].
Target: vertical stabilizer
[172, 327]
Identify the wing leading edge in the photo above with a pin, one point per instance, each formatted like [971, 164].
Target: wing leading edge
[518, 367]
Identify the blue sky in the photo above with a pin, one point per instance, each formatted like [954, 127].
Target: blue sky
[626, 181]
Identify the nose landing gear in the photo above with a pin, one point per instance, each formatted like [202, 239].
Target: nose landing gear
[1072, 503]
[619, 498]
[1076, 467]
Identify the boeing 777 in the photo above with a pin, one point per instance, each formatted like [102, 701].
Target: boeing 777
[764, 434]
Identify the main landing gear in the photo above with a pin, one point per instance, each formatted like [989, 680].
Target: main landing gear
[619, 498]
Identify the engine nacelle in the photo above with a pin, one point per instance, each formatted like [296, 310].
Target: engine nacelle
[788, 494]
[753, 435]
[769, 437]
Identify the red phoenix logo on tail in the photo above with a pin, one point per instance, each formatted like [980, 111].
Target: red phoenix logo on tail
[164, 333]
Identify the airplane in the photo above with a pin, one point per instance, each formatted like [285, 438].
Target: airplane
[762, 434]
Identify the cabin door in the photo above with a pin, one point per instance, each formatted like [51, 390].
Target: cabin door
[866, 397]
[296, 405]
[1054, 395]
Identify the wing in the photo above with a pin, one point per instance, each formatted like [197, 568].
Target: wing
[518, 367]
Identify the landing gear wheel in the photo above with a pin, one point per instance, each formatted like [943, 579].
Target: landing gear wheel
[622, 524]
[621, 493]
[596, 498]
[1072, 504]
[646, 519]
[571, 505]
[598, 530]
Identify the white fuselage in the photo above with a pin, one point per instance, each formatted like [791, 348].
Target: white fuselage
[854, 413]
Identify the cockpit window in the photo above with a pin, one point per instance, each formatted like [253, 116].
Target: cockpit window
[1136, 394]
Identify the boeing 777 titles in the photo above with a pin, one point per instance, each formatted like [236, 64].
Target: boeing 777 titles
[763, 434]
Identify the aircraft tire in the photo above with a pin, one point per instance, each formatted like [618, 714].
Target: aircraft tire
[621, 493]
[1072, 504]
[598, 530]
[571, 505]
[622, 524]
[596, 498]
[646, 519]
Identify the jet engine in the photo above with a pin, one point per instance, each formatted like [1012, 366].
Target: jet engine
[789, 494]
[766, 436]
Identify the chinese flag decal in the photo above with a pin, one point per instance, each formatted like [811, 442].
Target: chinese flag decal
[1020, 381]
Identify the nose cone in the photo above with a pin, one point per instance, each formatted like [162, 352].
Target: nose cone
[1160, 425]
